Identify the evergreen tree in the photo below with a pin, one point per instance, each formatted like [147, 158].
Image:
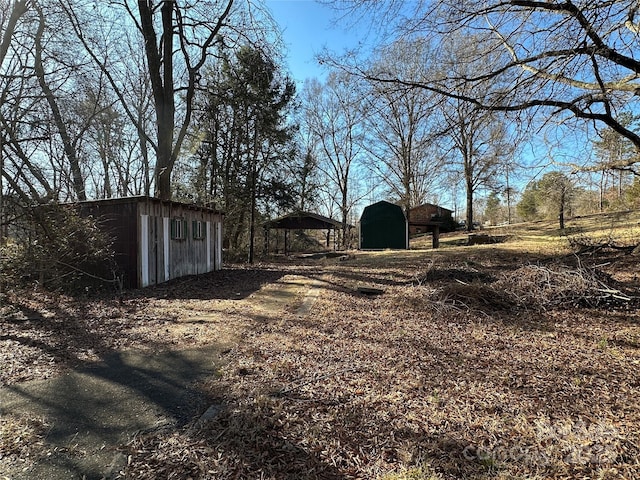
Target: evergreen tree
[557, 190]
[493, 208]
[614, 153]
[550, 196]
[243, 159]
[529, 205]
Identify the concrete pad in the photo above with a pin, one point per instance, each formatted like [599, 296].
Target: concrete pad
[93, 410]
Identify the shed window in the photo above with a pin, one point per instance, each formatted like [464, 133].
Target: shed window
[199, 230]
[178, 228]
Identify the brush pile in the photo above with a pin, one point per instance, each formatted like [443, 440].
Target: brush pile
[536, 288]
[557, 285]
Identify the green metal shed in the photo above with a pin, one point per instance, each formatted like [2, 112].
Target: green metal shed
[383, 225]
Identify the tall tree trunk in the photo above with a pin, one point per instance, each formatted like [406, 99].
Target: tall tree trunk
[345, 211]
[602, 192]
[252, 213]
[20, 7]
[469, 206]
[160, 64]
[108, 191]
[164, 160]
[508, 192]
[3, 227]
[467, 159]
[60, 124]
[407, 197]
[561, 210]
[620, 173]
[253, 189]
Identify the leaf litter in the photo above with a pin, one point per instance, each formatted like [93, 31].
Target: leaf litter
[509, 371]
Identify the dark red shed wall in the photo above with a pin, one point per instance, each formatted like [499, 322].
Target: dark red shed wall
[119, 220]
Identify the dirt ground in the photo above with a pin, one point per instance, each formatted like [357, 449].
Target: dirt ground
[472, 362]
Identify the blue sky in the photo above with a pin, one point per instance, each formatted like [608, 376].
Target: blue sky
[308, 28]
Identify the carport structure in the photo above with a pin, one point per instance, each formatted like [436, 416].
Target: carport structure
[302, 221]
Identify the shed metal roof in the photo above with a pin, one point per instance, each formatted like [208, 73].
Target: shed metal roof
[144, 198]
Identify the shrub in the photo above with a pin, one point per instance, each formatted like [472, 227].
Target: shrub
[53, 246]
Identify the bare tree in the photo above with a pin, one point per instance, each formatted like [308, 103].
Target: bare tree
[60, 122]
[178, 41]
[612, 150]
[478, 142]
[40, 142]
[333, 113]
[100, 105]
[569, 58]
[10, 13]
[400, 125]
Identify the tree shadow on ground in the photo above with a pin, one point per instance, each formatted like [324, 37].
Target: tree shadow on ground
[225, 284]
[64, 333]
[45, 330]
[92, 410]
[247, 437]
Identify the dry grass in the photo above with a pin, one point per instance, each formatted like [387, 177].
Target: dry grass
[545, 238]
[411, 385]
[510, 361]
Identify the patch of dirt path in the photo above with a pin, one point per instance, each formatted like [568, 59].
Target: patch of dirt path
[72, 422]
[427, 380]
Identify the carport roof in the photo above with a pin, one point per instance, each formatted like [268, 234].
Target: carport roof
[303, 221]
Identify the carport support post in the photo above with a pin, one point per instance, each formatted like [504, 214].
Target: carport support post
[436, 236]
[286, 242]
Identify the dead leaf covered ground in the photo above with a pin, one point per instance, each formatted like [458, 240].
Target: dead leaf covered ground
[474, 363]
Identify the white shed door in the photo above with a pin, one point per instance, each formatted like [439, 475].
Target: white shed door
[165, 247]
[144, 250]
[209, 240]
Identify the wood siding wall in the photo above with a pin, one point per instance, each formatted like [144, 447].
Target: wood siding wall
[119, 221]
[423, 215]
[169, 257]
[146, 253]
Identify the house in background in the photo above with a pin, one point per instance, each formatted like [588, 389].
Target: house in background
[423, 218]
[157, 240]
[383, 225]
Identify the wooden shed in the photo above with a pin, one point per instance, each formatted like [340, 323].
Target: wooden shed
[383, 225]
[157, 240]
